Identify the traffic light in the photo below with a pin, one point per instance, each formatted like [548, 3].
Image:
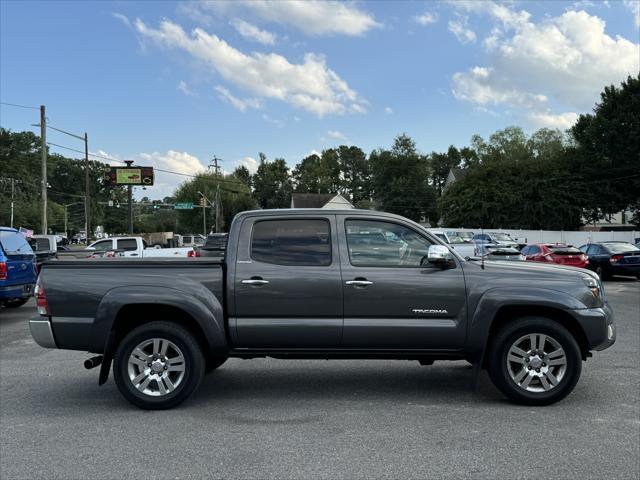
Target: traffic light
[202, 202]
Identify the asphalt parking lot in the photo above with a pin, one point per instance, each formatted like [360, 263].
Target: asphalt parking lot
[319, 419]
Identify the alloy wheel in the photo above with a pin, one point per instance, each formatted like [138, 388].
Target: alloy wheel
[156, 367]
[536, 362]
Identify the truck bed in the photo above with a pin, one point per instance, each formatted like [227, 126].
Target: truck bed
[92, 283]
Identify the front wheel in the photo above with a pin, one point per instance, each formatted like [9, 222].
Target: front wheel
[535, 361]
[158, 365]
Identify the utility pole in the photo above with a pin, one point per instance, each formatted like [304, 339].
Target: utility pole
[130, 201]
[43, 138]
[218, 207]
[12, 193]
[217, 168]
[87, 197]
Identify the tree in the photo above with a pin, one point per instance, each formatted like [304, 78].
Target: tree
[355, 174]
[272, 186]
[608, 150]
[399, 179]
[242, 173]
[517, 182]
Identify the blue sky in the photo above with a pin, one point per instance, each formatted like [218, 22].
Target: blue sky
[171, 84]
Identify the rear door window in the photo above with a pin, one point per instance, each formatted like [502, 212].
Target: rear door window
[292, 242]
[128, 244]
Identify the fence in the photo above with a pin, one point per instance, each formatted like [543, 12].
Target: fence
[576, 238]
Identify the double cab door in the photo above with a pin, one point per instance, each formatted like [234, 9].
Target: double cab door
[343, 282]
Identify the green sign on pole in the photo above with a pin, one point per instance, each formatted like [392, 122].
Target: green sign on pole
[183, 206]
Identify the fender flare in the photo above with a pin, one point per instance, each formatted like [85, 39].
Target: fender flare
[201, 305]
[493, 300]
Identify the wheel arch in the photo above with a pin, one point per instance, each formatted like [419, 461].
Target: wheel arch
[508, 313]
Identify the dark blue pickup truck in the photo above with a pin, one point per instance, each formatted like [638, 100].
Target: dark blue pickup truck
[323, 284]
[17, 268]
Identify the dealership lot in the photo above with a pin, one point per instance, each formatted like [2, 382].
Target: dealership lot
[321, 419]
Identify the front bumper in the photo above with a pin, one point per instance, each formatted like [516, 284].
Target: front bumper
[42, 332]
[598, 325]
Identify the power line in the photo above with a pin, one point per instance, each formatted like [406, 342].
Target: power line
[18, 105]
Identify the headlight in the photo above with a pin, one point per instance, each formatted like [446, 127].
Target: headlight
[595, 286]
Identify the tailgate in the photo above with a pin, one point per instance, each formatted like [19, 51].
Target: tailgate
[20, 270]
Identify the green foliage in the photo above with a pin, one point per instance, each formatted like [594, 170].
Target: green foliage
[272, 185]
[608, 150]
[399, 180]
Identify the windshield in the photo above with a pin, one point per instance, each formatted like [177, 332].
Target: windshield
[14, 242]
[621, 247]
[502, 237]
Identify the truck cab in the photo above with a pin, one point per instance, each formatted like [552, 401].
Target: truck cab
[17, 268]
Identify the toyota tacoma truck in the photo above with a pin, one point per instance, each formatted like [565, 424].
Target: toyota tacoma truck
[300, 284]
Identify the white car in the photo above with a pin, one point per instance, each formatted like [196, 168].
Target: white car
[137, 247]
[456, 243]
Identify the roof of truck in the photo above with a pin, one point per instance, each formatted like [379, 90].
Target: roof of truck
[316, 211]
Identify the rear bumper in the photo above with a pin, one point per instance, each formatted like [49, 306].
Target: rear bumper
[632, 269]
[17, 291]
[598, 325]
[42, 332]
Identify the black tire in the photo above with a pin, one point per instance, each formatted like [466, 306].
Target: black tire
[498, 365]
[194, 365]
[15, 302]
[602, 273]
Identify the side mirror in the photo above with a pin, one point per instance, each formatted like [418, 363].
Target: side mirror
[439, 255]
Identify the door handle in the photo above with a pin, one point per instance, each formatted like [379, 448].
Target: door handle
[359, 283]
[255, 281]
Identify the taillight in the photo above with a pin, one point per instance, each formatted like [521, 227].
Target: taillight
[41, 298]
[193, 253]
[3, 270]
[616, 258]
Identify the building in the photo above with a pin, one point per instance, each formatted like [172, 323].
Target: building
[320, 200]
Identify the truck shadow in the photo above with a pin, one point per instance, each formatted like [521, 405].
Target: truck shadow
[273, 381]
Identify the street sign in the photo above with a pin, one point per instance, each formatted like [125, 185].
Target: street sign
[118, 176]
[183, 206]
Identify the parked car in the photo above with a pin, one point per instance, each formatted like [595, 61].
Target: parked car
[495, 238]
[191, 240]
[498, 253]
[465, 249]
[17, 268]
[215, 245]
[463, 236]
[292, 286]
[613, 258]
[136, 247]
[559, 253]
[45, 248]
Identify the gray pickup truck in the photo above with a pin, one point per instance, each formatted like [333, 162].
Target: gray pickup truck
[349, 284]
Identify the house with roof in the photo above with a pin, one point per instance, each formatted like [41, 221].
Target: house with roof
[320, 200]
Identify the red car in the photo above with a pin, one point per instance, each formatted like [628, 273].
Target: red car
[555, 253]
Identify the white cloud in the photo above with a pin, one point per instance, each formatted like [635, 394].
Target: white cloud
[460, 30]
[250, 163]
[175, 161]
[549, 69]
[634, 7]
[388, 110]
[272, 121]
[426, 18]
[335, 134]
[184, 88]
[251, 32]
[561, 121]
[311, 17]
[238, 103]
[123, 18]
[310, 85]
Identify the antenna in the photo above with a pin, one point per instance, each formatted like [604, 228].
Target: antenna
[481, 244]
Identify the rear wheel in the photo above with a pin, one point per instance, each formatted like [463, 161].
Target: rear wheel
[15, 302]
[158, 365]
[535, 361]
